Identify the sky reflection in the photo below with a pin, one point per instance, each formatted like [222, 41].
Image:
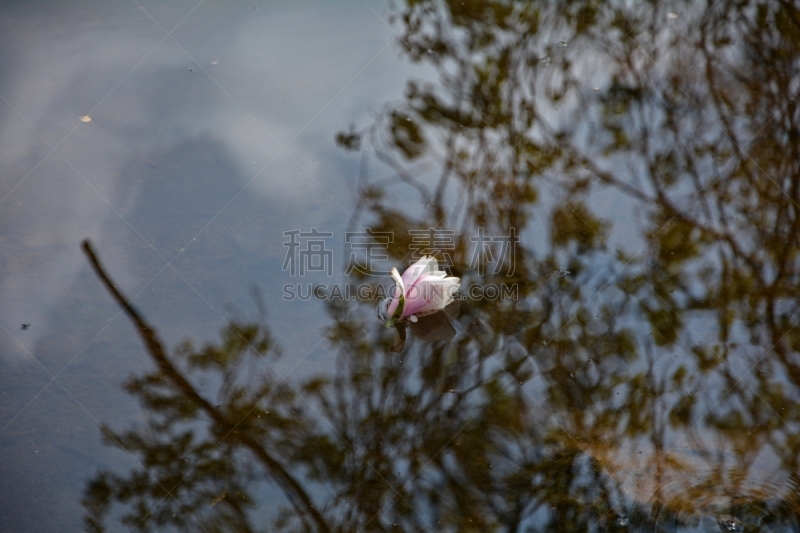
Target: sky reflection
[634, 168]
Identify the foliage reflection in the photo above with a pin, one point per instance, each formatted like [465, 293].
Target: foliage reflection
[655, 387]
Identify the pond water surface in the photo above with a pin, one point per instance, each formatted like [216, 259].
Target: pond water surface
[201, 201]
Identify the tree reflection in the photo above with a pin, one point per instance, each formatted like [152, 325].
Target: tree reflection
[656, 384]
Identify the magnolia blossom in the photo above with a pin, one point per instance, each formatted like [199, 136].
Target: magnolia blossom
[421, 290]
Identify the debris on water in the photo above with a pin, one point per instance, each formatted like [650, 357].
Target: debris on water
[219, 498]
[730, 524]
[562, 44]
[86, 118]
[24, 326]
[672, 16]
[622, 520]
[545, 59]
[563, 272]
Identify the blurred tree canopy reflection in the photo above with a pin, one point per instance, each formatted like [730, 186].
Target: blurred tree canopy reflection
[650, 150]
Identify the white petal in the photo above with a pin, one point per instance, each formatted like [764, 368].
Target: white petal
[399, 280]
[431, 294]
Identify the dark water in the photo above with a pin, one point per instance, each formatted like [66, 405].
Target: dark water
[200, 203]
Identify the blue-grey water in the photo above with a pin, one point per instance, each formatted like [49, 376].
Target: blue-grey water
[201, 201]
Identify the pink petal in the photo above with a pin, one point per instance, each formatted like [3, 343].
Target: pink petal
[422, 267]
[398, 291]
[430, 293]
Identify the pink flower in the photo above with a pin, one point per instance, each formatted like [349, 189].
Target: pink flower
[423, 289]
